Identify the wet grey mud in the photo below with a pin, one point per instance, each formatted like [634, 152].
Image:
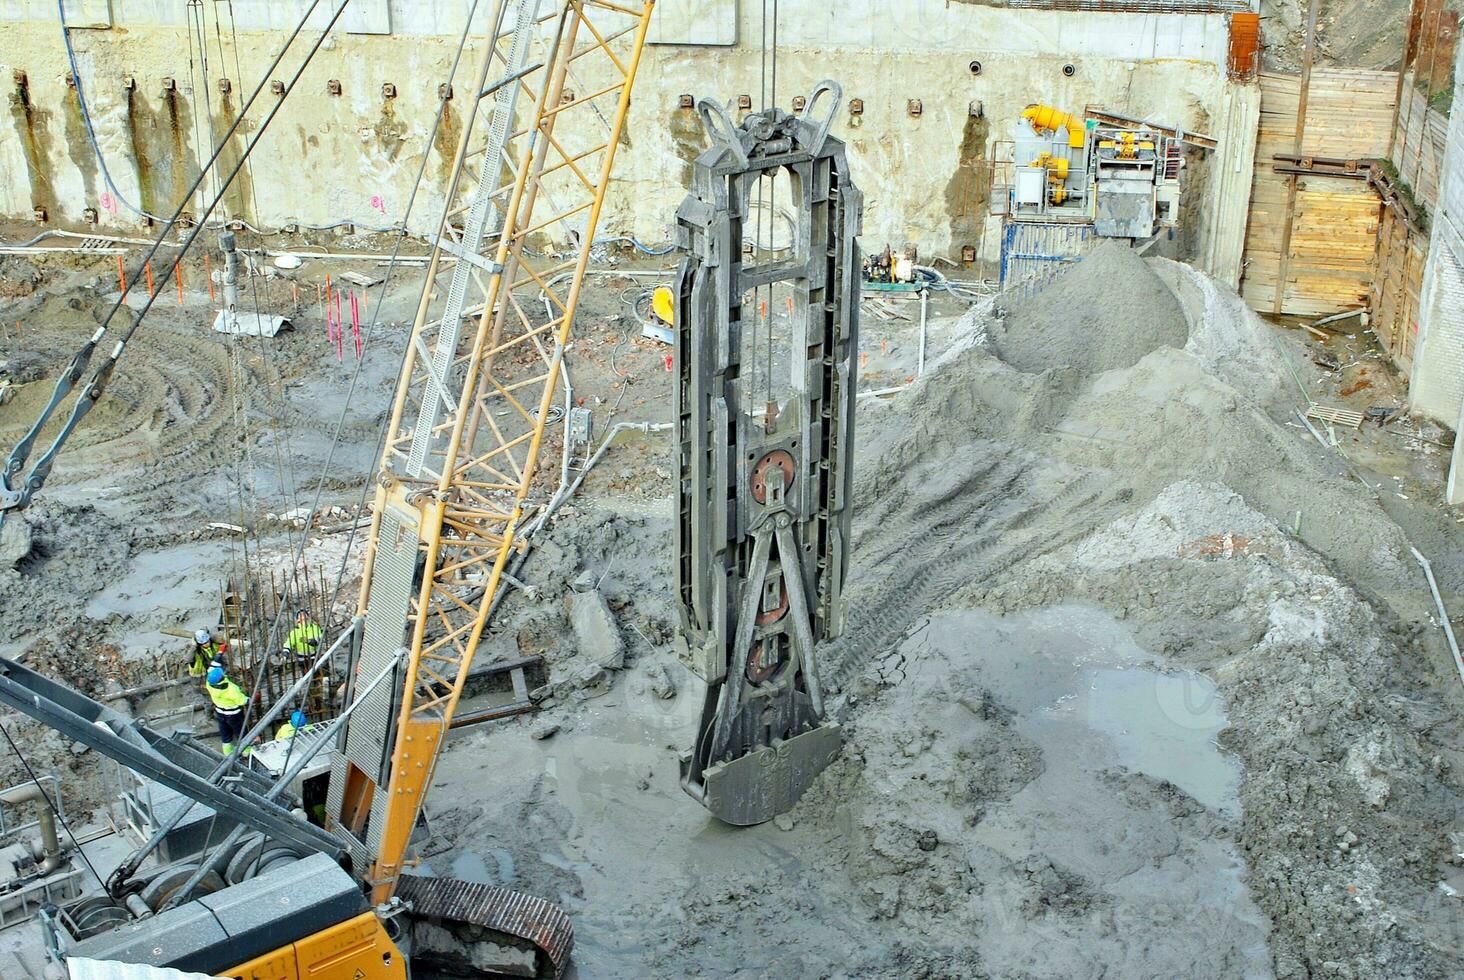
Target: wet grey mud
[1137, 679]
[1110, 708]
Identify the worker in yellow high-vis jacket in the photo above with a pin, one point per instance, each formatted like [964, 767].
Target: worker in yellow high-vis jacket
[229, 701]
[305, 636]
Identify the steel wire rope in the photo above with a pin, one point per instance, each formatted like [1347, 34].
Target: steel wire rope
[94, 388]
[284, 457]
[299, 72]
[239, 73]
[288, 488]
[266, 352]
[391, 269]
[198, 143]
[376, 456]
[207, 97]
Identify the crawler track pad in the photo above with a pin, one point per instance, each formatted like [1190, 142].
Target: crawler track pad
[768, 781]
[483, 930]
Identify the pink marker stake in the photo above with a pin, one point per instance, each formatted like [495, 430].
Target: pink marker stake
[340, 329]
[356, 323]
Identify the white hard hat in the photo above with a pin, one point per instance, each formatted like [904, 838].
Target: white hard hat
[202, 637]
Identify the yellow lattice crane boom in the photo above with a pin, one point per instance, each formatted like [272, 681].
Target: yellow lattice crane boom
[480, 374]
[544, 115]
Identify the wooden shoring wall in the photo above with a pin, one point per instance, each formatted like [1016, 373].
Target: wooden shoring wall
[1418, 145]
[1397, 286]
[1329, 225]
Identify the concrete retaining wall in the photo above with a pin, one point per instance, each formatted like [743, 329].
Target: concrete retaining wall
[353, 157]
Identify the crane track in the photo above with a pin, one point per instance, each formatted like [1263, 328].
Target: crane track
[519, 919]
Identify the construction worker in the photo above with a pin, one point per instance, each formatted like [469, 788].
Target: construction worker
[289, 728]
[207, 652]
[229, 701]
[305, 637]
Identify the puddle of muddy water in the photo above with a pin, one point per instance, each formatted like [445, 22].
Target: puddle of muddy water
[1082, 686]
[600, 805]
[1096, 705]
[1164, 725]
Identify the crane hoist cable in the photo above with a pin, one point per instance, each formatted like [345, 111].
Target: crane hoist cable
[17, 495]
[298, 551]
[460, 466]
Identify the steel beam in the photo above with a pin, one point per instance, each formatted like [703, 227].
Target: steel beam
[130, 743]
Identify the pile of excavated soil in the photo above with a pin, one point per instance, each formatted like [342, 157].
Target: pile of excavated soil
[1164, 492]
[1350, 33]
[1103, 313]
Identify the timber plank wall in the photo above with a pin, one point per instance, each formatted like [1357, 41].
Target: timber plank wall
[1334, 220]
[1418, 154]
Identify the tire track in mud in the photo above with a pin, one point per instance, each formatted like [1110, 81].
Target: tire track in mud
[913, 558]
[167, 416]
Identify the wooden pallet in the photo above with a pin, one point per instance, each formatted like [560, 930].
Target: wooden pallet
[1335, 416]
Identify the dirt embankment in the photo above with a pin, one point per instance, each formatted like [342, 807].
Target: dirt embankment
[1136, 679]
[1160, 487]
[1350, 33]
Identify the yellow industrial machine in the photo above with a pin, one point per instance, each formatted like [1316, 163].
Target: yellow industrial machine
[279, 898]
[1045, 119]
[1116, 176]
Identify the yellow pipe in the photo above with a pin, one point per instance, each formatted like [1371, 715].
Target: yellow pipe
[1045, 117]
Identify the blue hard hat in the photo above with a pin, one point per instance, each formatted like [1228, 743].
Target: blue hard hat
[297, 718]
[216, 675]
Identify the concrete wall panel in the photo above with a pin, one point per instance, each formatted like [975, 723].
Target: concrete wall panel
[1437, 388]
[88, 13]
[346, 158]
[708, 22]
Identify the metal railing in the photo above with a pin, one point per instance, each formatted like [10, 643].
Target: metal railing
[22, 904]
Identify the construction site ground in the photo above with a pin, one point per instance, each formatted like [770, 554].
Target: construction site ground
[1140, 675]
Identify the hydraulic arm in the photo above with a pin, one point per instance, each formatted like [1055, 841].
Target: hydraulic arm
[765, 349]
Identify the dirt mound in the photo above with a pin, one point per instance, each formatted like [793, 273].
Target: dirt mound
[1350, 33]
[1163, 491]
[1105, 312]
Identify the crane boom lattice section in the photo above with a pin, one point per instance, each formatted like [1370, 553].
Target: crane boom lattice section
[477, 386]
